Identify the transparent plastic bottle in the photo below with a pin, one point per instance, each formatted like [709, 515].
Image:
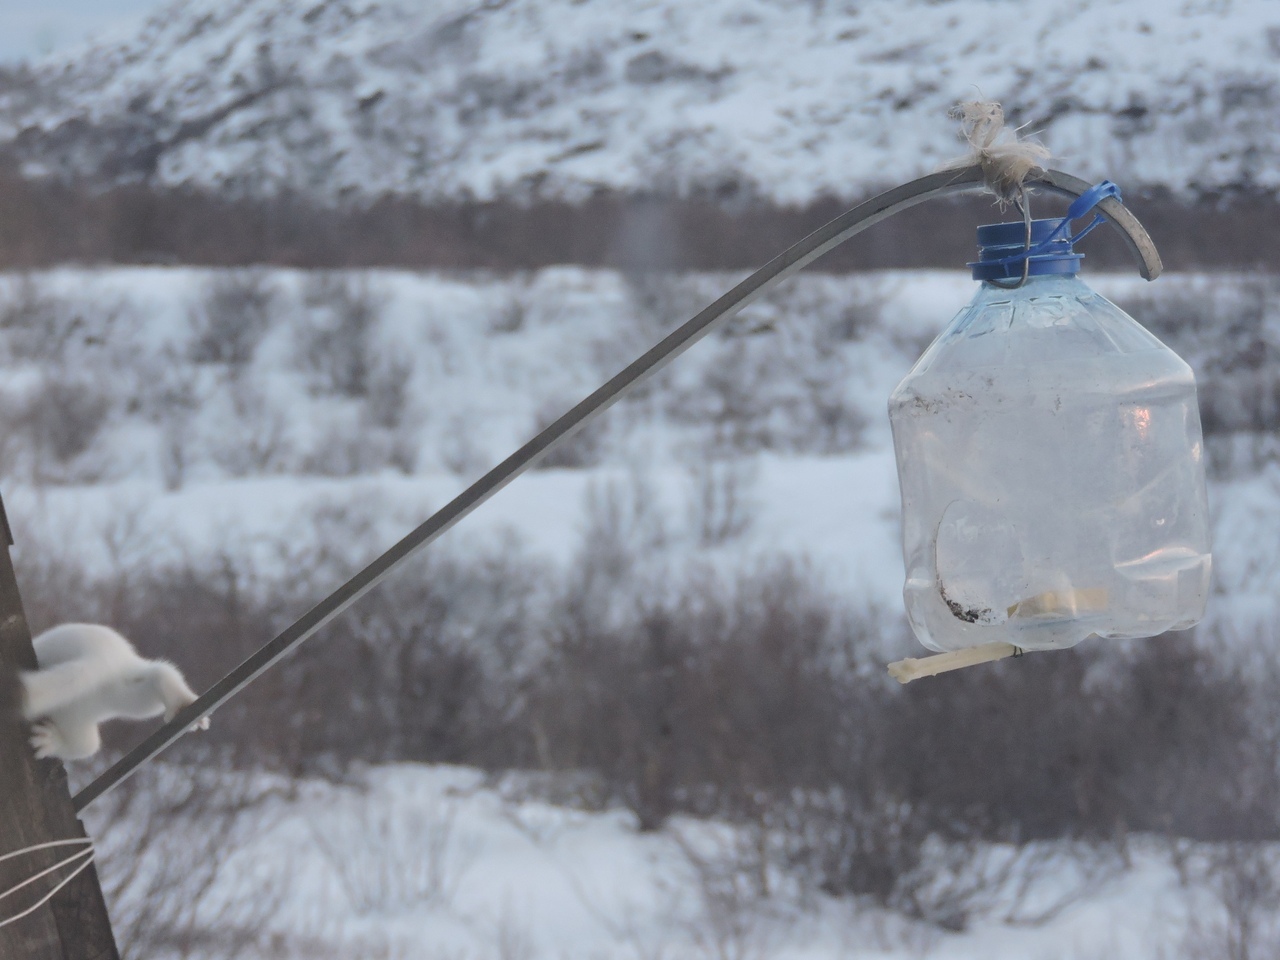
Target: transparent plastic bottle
[1050, 457]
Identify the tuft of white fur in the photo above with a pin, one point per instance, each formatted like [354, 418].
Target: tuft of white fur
[1006, 160]
[89, 673]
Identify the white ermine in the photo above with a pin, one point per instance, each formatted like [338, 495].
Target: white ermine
[89, 673]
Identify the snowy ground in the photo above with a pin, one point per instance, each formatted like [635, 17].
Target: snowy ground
[471, 396]
[436, 862]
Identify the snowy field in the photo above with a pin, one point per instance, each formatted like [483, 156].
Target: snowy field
[386, 393]
[434, 862]
[198, 412]
[782, 413]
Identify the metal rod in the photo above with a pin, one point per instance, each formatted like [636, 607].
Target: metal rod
[776, 270]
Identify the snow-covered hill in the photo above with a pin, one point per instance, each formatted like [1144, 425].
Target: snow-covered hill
[449, 100]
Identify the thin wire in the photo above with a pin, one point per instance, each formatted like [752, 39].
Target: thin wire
[1082, 204]
[50, 895]
[43, 846]
[45, 872]
[88, 854]
[1023, 202]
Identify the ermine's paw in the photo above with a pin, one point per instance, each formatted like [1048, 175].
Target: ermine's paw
[45, 740]
[201, 724]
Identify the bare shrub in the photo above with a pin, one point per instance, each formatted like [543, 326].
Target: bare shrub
[175, 452]
[403, 453]
[1244, 880]
[458, 449]
[62, 419]
[622, 522]
[443, 651]
[779, 386]
[73, 360]
[858, 315]
[609, 656]
[260, 442]
[1048, 877]
[1217, 327]
[169, 396]
[35, 325]
[231, 319]
[1230, 334]
[510, 934]
[387, 396]
[38, 326]
[635, 677]
[55, 587]
[350, 439]
[426, 668]
[1154, 736]
[646, 689]
[336, 333]
[346, 447]
[810, 328]
[661, 299]
[390, 858]
[582, 449]
[720, 507]
[735, 909]
[512, 313]
[15, 452]
[863, 840]
[164, 838]
[1229, 455]
[748, 702]
[657, 301]
[830, 421]
[734, 404]
[950, 882]
[684, 691]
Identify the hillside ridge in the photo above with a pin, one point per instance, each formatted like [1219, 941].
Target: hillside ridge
[455, 101]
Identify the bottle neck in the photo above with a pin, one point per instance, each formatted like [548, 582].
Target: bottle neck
[1034, 280]
[1042, 285]
[1003, 249]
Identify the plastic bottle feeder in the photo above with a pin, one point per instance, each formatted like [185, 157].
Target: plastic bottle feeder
[1051, 464]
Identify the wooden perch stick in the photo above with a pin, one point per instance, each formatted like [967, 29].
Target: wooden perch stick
[904, 671]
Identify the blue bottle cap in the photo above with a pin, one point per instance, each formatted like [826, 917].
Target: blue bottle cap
[1002, 246]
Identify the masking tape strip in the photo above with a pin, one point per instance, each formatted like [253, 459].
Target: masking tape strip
[913, 668]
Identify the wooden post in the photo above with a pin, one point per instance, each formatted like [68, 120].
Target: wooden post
[35, 807]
